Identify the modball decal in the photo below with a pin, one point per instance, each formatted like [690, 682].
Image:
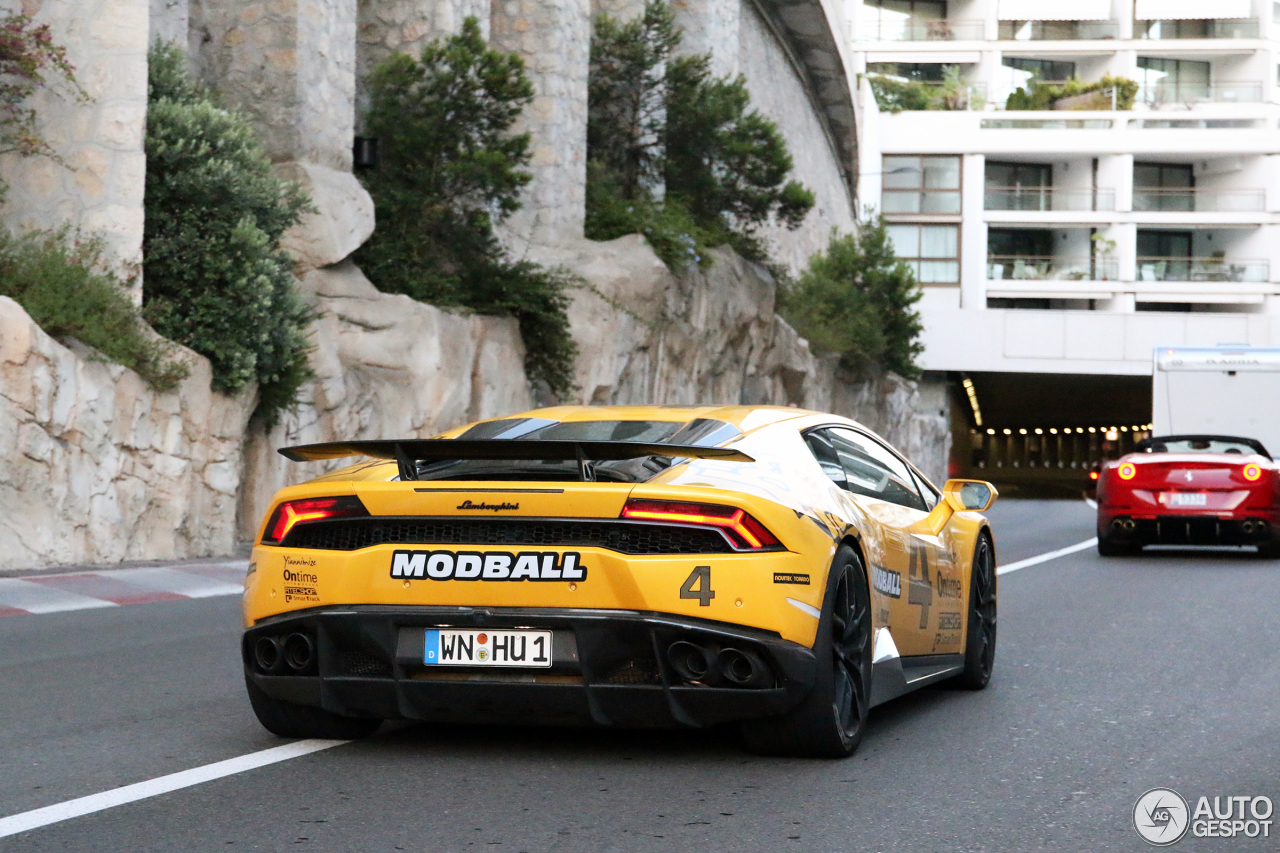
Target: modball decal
[489, 566]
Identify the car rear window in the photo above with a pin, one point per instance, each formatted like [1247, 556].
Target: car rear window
[702, 432]
[1199, 445]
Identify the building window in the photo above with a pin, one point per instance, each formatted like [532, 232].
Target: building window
[900, 20]
[1163, 186]
[1172, 80]
[1019, 72]
[932, 251]
[920, 185]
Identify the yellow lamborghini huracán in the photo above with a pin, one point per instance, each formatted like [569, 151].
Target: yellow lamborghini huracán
[780, 569]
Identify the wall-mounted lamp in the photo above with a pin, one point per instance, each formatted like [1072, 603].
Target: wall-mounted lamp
[364, 152]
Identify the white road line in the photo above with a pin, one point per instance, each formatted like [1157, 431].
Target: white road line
[59, 812]
[1044, 558]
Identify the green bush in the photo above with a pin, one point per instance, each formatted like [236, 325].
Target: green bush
[857, 300]
[895, 96]
[215, 277]
[449, 165]
[656, 117]
[63, 284]
[1043, 96]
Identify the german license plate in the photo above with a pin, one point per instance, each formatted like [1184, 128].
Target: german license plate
[487, 648]
[1188, 499]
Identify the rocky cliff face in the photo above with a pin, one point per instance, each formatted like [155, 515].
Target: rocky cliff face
[95, 467]
[712, 337]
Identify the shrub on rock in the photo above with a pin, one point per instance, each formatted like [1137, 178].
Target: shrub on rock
[214, 276]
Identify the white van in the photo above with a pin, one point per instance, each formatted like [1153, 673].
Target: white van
[1226, 390]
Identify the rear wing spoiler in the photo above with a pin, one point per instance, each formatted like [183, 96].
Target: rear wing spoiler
[410, 451]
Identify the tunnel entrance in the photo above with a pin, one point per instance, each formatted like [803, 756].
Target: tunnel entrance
[1042, 433]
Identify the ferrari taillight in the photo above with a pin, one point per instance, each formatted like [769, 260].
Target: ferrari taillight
[744, 531]
[1252, 472]
[291, 513]
[1127, 471]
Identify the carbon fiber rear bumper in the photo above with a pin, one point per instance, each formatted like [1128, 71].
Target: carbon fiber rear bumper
[610, 668]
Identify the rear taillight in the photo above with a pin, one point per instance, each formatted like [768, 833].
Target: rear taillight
[291, 513]
[1252, 472]
[1127, 471]
[743, 531]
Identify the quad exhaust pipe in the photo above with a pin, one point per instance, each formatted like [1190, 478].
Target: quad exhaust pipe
[702, 664]
[275, 655]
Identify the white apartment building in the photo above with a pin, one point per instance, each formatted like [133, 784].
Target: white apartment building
[1074, 241]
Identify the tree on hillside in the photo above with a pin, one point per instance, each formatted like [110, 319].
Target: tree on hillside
[656, 119]
[857, 300]
[450, 166]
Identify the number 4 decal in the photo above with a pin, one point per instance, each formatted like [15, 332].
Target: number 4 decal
[698, 585]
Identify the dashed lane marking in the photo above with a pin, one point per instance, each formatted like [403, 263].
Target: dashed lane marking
[26, 821]
[57, 593]
[1046, 557]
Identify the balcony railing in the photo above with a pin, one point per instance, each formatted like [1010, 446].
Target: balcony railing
[922, 30]
[1058, 30]
[1202, 269]
[1238, 28]
[1047, 198]
[1029, 268]
[1045, 124]
[1190, 93]
[1198, 200]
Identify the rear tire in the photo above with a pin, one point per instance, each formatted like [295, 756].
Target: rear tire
[831, 720]
[980, 638]
[288, 720]
[1108, 546]
[1269, 551]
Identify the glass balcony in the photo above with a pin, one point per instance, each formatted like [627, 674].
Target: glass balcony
[1028, 268]
[1192, 93]
[1047, 199]
[1058, 30]
[1195, 123]
[1202, 269]
[1234, 28]
[922, 30]
[1198, 200]
[1046, 124]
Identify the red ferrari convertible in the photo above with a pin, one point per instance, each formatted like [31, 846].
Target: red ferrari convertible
[1190, 490]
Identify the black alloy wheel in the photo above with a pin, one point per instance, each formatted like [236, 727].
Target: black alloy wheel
[980, 638]
[831, 720]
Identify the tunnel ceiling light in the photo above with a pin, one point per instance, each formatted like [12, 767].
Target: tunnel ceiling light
[1022, 432]
[1091, 429]
[1053, 430]
[991, 432]
[1008, 431]
[972, 394]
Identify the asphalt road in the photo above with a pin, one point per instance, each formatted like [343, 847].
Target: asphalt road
[1112, 677]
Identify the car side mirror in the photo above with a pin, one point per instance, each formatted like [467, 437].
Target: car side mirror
[969, 495]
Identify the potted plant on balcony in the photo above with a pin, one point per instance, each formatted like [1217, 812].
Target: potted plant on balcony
[1102, 249]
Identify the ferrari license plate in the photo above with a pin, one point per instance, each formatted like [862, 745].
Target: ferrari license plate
[1188, 499]
[487, 648]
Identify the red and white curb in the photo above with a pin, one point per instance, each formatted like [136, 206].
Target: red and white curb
[55, 593]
